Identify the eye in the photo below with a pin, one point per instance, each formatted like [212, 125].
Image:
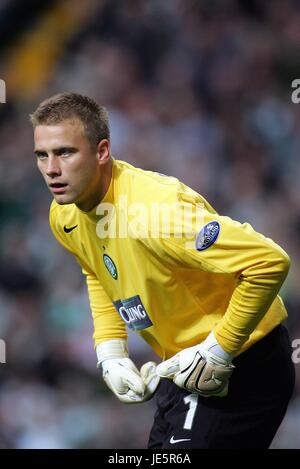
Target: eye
[65, 152]
[41, 156]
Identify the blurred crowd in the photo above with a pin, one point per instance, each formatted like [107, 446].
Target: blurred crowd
[200, 90]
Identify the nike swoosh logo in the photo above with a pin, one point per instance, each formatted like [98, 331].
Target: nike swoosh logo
[68, 230]
[172, 441]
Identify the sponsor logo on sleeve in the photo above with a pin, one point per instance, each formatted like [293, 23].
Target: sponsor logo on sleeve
[208, 235]
[133, 313]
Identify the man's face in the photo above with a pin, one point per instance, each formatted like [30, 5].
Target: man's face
[68, 163]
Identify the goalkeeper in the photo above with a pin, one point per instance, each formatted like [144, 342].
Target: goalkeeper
[202, 291]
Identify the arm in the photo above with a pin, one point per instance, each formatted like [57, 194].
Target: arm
[110, 337]
[258, 267]
[119, 372]
[107, 322]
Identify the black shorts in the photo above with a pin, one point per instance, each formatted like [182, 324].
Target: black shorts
[260, 389]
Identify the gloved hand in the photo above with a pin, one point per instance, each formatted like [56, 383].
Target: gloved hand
[121, 375]
[204, 369]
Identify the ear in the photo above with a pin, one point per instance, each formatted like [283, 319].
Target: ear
[103, 151]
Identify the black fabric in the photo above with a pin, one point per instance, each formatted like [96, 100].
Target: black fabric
[259, 392]
[17, 17]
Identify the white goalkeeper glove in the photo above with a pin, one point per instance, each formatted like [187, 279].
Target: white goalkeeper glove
[121, 375]
[204, 369]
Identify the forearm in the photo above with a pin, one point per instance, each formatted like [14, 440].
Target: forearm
[250, 301]
[107, 323]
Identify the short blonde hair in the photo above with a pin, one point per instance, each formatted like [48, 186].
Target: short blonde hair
[64, 106]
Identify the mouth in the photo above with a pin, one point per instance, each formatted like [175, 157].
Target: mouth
[58, 187]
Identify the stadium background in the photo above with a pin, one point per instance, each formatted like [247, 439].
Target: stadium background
[196, 89]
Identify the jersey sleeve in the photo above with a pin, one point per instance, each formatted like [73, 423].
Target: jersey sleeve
[220, 245]
[106, 320]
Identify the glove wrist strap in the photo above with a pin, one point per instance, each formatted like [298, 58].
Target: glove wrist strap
[116, 348]
[212, 345]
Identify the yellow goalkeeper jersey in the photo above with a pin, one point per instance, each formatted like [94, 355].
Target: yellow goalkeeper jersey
[160, 260]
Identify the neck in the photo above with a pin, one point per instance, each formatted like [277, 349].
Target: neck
[100, 189]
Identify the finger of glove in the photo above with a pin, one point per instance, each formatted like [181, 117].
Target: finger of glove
[130, 397]
[131, 376]
[148, 373]
[188, 356]
[150, 378]
[152, 384]
[134, 382]
[135, 398]
[168, 368]
[148, 370]
[121, 379]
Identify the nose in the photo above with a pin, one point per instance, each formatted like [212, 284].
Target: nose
[53, 168]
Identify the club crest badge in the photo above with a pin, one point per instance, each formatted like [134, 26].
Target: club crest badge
[208, 235]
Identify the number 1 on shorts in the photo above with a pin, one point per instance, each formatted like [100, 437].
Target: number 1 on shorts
[191, 401]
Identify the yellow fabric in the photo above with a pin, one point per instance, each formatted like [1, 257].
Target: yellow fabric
[231, 287]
